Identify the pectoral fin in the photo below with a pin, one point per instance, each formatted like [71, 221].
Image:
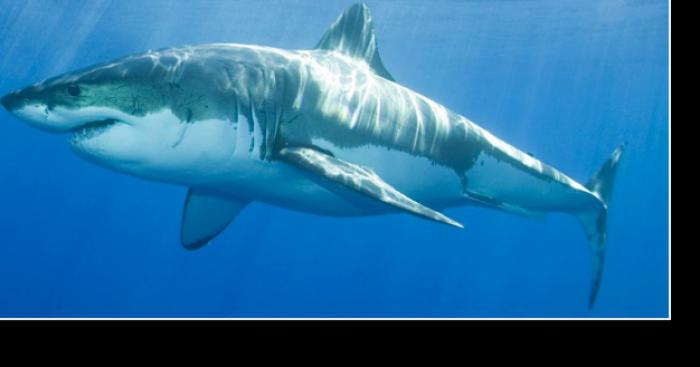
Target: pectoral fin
[359, 179]
[205, 216]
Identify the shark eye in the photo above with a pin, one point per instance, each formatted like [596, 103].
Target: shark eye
[73, 90]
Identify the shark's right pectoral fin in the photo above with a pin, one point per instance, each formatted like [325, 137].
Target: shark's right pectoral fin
[360, 179]
[205, 216]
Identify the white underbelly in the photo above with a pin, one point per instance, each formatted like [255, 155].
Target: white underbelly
[417, 177]
[280, 184]
[225, 158]
[499, 180]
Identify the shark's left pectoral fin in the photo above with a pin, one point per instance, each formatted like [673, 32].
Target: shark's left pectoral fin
[360, 179]
[205, 216]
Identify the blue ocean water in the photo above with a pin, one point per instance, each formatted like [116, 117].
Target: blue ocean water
[566, 80]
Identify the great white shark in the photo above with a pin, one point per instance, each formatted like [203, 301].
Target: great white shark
[326, 131]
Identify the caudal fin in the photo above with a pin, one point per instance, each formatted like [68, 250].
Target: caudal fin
[594, 221]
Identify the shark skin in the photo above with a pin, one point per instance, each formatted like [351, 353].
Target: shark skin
[326, 131]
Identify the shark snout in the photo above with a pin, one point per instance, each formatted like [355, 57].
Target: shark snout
[10, 101]
[25, 105]
[15, 101]
[24, 108]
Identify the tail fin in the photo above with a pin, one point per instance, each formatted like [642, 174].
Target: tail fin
[594, 221]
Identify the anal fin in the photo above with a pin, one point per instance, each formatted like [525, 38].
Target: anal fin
[360, 179]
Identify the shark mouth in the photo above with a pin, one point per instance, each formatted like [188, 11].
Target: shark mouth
[92, 129]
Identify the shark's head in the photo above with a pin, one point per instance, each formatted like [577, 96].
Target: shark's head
[130, 114]
[99, 106]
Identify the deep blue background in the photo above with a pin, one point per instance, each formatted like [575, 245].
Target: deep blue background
[565, 80]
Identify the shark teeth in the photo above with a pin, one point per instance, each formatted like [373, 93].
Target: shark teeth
[92, 129]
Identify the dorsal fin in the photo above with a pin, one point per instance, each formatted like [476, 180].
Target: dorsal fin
[353, 35]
